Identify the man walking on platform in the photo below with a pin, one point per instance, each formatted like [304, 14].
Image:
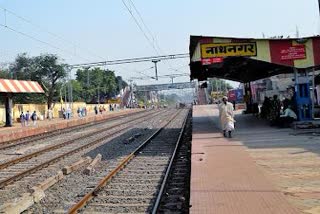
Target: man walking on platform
[226, 116]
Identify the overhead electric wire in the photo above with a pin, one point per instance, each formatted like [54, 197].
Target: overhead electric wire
[141, 72]
[140, 27]
[132, 60]
[67, 41]
[143, 22]
[154, 40]
[41, 41]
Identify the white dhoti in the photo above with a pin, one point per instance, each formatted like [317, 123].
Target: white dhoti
[226, 116]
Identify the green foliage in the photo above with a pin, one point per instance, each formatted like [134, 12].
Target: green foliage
[77, 90]
[4, 74]
[50, 73]
[218, 85]
[45, 69]
[98, 84]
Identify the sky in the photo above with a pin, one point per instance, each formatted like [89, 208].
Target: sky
[80, 31]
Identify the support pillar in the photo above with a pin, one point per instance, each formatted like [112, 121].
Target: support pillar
[303, 95]
[248, 97]
[8, 106]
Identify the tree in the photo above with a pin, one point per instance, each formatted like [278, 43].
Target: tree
[22, 68]
[4, 74]
[49, 71]
[99, 84]
[218, 85]
[77, 93]
[120, 83]
[45, 69]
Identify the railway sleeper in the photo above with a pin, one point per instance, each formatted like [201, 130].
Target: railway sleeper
[125, 199]
[135, 180]
[101, 208]
[116, 192]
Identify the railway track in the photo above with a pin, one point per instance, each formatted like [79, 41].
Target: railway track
[174, 194]
[18, 168]
[133, 185]
[33, 139]
[51, 143]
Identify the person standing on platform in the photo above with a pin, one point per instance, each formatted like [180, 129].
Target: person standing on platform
[50, 114]
[27, 116]
[22, 119]
[79, 112]
[275, 110]
[96, 110]
[34, 118]
[64, 113]
[226, 116]
[68, 113]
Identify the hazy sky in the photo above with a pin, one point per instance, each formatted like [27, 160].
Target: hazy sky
[103, 29]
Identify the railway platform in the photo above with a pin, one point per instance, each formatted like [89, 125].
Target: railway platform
[18, 132]
[224, 177]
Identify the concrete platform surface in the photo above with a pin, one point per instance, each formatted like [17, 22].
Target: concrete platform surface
[224, 178]
[17, 131]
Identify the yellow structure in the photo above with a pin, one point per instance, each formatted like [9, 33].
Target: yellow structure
[42, 109]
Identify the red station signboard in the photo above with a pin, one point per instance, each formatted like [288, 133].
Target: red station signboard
[293, 52]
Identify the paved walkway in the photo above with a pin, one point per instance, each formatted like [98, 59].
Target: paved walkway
[16, 125]
[17, 131]
[224, 178]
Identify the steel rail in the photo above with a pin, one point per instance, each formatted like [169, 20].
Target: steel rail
[13, 143]
[16, 177]
[75, 208]
[57, 146]
[165, 179]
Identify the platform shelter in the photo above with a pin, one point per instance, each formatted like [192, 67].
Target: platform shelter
[247, 59]
[9, 87]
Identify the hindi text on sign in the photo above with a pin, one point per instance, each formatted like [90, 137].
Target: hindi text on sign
[228, 49]
[294, 52]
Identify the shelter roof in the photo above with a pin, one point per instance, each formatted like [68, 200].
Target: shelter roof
[19, 86]
[248, 59]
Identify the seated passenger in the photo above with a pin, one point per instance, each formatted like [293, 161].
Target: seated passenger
[288, 117]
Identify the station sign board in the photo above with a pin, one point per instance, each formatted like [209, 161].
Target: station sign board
[209, 61]
[293, 52]
[218, 50]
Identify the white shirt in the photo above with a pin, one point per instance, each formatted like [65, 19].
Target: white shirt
[289, 113]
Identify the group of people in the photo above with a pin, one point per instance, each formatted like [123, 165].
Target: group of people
[272, 109]
[82, 112]
[26, 117]
[66, 114]
[101, 109]
[278, 113]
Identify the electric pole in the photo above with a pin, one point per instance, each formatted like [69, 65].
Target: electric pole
[131, 91]
[156, 67]
[172, 77]
[88, 83]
